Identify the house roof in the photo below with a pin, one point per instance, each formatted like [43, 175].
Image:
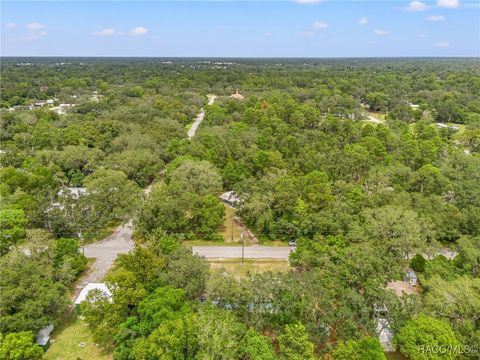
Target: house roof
[237, 96]
[230, 196]
[410, 273]
[93, 286]
[44, 335]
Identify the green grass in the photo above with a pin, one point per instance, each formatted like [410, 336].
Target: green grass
[240, 269]
[273, 243]
[65, 344]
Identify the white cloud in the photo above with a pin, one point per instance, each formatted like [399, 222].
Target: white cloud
[443, 44]
[34, 35]
[363, 21]
[268, 34]
[320, 25]
[452, 4]
[140, 30]
[417, 6]
[436, 18]
[35, 26]
[380, 32]
[10, 25]
[105, 32]
[306, 33]
[308, 1]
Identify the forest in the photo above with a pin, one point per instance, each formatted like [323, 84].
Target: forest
[370, 167]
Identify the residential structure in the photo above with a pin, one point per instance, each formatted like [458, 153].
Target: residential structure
[102, 287]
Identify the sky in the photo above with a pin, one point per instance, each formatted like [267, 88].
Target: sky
[288, 28]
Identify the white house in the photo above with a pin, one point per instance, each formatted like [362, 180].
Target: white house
[230, 198]
[102, 287]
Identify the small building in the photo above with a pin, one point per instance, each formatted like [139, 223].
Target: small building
[237, 96]
[410, 277]
[43, 337]
[102, 287]
[230, 198]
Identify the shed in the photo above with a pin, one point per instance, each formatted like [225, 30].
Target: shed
[410, 277]
[89, 287]
[43, 337]
[230, 198]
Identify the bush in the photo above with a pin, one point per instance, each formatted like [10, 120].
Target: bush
[418, 263]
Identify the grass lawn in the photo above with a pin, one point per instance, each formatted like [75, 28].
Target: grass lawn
[65, 344]
[241, 269]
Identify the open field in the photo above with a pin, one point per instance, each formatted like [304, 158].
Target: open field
[65, 344]
[241, 269]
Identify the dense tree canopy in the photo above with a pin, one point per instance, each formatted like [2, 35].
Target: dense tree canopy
[363, 163]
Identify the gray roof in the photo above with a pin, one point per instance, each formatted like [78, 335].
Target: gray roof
[44, 335]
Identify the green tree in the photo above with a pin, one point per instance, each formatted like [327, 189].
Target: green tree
[19, 346]
[378, 101]
[31, 298]
[367, 348]
[254, 346]
[12, 228]
[418, 263]
[427, 338]
[199, 177]
[294, 343]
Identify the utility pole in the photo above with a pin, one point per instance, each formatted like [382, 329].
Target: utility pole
[231, 231]
[243, 247]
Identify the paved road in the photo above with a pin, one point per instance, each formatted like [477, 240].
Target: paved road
[105, 252]
[235, 252]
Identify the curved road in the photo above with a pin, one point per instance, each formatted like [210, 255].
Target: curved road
[105, 252]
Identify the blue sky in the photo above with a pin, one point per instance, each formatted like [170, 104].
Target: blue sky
[296, 28]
